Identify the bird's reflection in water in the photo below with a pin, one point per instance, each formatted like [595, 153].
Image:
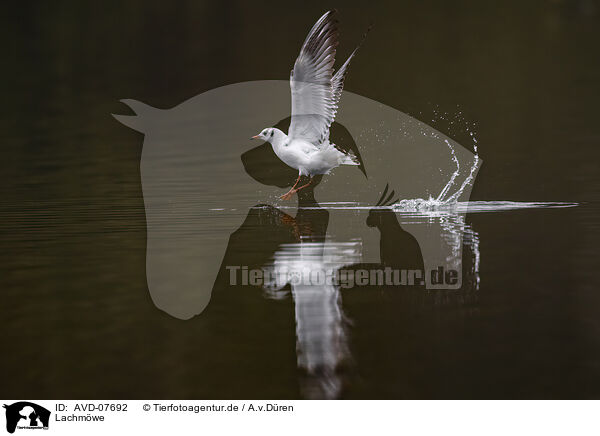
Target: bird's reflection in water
[286, 247]
[331, 349]
[306, 266]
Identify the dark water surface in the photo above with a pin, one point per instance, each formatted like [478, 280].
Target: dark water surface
[77, 318]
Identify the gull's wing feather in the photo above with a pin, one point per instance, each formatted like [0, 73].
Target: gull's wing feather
[337, 82]
[313, 103]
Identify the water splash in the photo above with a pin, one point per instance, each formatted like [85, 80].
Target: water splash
[469, 178]
[455, 174]
[434, 208]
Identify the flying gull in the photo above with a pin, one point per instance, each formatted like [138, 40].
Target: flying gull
[316, 92]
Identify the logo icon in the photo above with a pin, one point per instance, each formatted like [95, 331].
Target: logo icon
[26, 415]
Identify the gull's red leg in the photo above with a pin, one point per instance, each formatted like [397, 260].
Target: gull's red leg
[304, 186]
[295, 184]
[291, 192]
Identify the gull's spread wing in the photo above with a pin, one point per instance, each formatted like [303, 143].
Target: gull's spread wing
[313, 102]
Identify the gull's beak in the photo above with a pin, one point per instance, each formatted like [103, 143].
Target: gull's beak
[254, 137]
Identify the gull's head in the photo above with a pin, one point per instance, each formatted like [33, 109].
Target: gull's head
[265, 135]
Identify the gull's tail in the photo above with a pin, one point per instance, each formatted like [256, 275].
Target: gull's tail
[350, 159]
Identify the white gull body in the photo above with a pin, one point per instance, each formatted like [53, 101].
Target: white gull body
[309, 159]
